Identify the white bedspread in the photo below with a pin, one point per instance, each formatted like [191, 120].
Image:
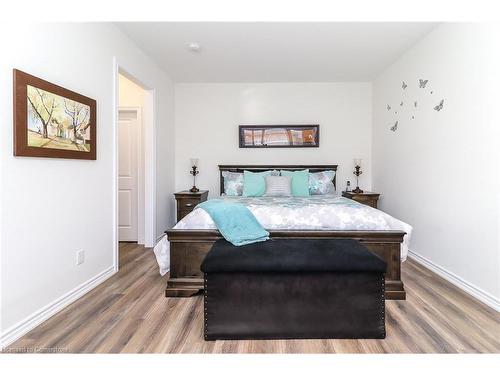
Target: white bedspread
[318, 212]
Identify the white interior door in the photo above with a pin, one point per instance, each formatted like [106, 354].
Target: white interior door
[128, 131]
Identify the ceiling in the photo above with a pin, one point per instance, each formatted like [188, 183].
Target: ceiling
[275, 52]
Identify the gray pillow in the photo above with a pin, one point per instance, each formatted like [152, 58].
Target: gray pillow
[233, 183]
[321, 183]
[278, 186]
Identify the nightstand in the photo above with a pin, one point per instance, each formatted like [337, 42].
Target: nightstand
[367, 197]
[187, 201]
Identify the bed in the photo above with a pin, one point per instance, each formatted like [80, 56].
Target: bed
[289, 218]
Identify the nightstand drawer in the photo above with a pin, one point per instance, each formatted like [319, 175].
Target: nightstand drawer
[187, 201]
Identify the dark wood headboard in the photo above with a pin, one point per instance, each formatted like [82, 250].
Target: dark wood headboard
[262, 168]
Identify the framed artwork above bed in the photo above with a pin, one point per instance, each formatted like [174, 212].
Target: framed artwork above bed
[278, 136]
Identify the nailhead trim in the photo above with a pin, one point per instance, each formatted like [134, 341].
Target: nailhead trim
[205, 305]
[382, 305]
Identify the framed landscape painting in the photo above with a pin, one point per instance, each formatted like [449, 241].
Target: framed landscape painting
[269, 136]
[51, 121]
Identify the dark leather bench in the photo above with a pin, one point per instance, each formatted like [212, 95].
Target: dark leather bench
[292, 289]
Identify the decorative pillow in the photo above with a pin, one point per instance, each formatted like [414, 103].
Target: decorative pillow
[321, 183]
[278, 186]
[254, 184]
[300, 182]
[233, 183]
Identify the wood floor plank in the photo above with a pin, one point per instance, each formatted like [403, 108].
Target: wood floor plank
[130, 314]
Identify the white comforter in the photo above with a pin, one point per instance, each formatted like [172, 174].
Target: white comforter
[320, 212]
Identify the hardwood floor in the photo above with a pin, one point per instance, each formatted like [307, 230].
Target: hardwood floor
[129, 314]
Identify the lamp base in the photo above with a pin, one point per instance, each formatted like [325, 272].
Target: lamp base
[357, 190]
[194, 189]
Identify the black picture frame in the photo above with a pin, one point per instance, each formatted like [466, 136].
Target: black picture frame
[286, 136]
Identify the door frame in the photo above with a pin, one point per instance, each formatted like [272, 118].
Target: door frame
[149, 154]
[141, 229]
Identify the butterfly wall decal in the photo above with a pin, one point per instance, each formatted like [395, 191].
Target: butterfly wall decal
[415, 104]
[404, 85]
[388, 107]
[395, 126]
[401, 104]
[439, 106]
[422, 83]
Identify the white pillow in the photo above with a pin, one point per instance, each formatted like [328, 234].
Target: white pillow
[278, 186]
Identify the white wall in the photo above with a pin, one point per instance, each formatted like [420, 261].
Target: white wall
[440, 171]
[50, 208]
[207, 118]
[130, 93]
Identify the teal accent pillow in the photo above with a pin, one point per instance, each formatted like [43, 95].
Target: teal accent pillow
[254, 183]
[300, 182]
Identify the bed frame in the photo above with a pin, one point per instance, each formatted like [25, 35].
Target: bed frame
[188, 247]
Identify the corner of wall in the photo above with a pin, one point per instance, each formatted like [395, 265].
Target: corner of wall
[415, 165]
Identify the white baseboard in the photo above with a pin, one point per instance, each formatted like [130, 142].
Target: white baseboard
[456, 280]
[19, 329]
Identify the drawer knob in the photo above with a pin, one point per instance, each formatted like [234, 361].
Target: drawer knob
[189, 204]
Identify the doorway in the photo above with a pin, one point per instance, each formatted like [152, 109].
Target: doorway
[135, 161]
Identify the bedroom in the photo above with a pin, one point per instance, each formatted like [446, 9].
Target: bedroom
[411, 104]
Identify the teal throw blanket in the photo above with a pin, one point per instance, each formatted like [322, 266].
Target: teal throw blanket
[235, 222]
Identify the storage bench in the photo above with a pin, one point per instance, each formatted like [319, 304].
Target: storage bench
[293, 289]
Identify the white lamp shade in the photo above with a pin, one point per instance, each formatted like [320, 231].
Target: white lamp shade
[194, 162]
[357, 162]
